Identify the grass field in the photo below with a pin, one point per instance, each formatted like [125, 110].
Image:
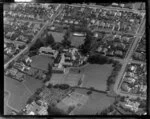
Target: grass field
[57, 36]
[41, 62]
[96, 103]
[20, 92]
[77, 41]
[7, 109]
[96, 76]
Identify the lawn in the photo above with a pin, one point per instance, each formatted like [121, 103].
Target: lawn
[96, 103]
[41, 62]
[96, 76]
[20, 92]
[77, 41]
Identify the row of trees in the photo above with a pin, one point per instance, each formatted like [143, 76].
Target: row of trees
[35, 97]
[112, 78]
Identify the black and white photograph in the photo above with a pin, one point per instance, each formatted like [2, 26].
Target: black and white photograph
[75, 59]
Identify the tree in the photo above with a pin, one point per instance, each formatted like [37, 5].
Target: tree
[64, 86]
[97, 59]
[89, 92]
[49, 39]
[37, 45]
[66, 42]
[55, 111]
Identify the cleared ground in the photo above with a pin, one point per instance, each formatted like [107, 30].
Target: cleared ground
[96, 76]
[41, 62]
[20, 92]
[96, 103]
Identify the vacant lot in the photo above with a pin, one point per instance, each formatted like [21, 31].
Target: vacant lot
[41, 62]
[20, 92]
[96, 103]
[77, 41]
[96, 75]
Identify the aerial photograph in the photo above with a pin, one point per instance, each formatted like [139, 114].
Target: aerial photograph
[75, 59]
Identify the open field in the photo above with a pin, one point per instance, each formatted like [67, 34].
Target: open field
[41, 62]
[20, 92]
[70, 79]
[96, 76]
[96, 103]
[32, 84]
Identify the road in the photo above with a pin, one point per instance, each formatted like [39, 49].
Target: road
[25, 20]
[128, 60]
[107, 8]
[35, 38]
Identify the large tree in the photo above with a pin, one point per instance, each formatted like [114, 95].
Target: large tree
[66, 42]
[50, 39]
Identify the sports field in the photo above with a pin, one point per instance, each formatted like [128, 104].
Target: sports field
[96, 75]
[96, 103]
[20, 91]
[41, 62]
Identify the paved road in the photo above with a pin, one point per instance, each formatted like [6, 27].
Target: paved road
[126, 61]
[107, 7]
[25, 20]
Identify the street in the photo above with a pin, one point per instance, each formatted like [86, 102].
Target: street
[128, 60]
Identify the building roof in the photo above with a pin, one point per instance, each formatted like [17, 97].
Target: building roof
[47, 49]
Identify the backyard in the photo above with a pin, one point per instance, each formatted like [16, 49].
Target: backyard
[96, 103]
[41, 62]
[95, 75]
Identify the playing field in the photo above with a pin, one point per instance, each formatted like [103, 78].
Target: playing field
[20, 91]
[96, 103]
[41, 62]
[96, 76]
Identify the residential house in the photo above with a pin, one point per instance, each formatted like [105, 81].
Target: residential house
[35, 109]
[132, 105]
